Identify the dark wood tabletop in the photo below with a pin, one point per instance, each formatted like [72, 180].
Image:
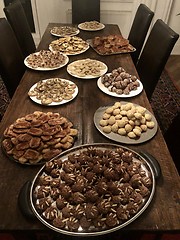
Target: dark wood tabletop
[163, 213]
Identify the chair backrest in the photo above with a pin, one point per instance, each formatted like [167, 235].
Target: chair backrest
[12, 65]
[85, 10]
[139, 29]
[155, 54]
[16, 16]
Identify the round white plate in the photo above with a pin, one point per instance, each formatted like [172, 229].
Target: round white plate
[131, 94]
[54, 103]
[145, 136]
[62, 45]
[47, 69]
[63, 35]
[102, 72]
[82, 27]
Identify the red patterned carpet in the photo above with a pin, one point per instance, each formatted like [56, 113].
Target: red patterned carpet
[4, 98]
[165, 101]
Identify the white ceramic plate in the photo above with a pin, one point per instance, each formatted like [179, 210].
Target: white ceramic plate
[131, 94]
[64, 34]
[102, 72]
[33, 98]
[145, 136]
[83, 27]
[45, 68]
[62, 45]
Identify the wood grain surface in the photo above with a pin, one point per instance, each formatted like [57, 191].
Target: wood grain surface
[163, 214]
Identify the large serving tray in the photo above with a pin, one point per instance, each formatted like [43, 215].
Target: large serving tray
[90, 42]
[146, 167]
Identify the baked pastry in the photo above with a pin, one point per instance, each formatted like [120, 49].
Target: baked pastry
[53, 90]
[69, 45]
[64, 31]
[111, 44]
[126, 120]
[46, 59]
[108, 187]
[38, 137]
[120, 82]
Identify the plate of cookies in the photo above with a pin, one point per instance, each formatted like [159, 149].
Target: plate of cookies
[91, 26]
[46, 60]
[53, 91]
[69, 45]
[119, 83]
[92, 189]
[126, 122]
[37, 137]
[63, 31]
[87, 68]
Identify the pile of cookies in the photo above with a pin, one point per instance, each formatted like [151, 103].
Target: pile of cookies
[120, 82]
[92, 189]
[45, 59]
[69, 45]
[111, 44]
[86, 67]
[126, 120]
[53, 90]
[64, 30]
[38, 137]
[91, 25]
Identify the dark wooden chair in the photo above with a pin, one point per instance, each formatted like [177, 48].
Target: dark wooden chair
[16, 16]
[85, 10]
[139, 29]
[155, 54]
[12, 65]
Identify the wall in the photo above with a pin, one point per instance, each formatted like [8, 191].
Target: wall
[174, 23]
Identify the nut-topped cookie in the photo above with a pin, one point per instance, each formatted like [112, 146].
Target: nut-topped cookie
[97, 188]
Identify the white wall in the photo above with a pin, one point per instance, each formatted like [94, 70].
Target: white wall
[174, 23]
[1, 8]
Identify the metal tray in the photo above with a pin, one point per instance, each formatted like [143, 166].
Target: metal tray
[145, 166]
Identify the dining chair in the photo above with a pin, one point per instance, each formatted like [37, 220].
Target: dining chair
[155, 54]
[139, 29]
[85, 10]
[16, 16]
[12, 65]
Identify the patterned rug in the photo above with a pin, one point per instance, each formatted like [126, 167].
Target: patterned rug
[4, 98]
[165, 101]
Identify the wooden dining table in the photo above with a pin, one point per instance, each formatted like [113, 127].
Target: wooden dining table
[163, 213]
